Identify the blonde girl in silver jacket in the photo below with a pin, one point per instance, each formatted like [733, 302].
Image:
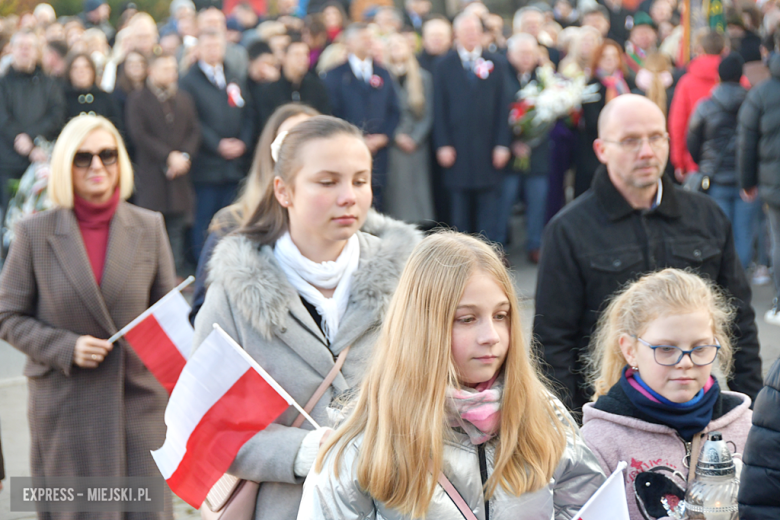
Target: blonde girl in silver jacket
[452, 388]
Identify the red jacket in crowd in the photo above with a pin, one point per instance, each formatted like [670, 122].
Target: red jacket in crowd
[701, 78]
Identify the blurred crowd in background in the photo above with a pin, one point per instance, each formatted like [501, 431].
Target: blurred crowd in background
[259, 54]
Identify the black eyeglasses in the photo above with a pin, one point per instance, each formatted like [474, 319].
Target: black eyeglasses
[669, 356]
[107, 157]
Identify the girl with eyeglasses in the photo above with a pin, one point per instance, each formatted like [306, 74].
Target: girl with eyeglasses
[653, 355]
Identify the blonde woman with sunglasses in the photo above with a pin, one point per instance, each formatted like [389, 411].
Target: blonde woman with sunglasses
[74, 276]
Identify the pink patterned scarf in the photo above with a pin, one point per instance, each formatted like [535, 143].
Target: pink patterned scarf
[476, 410]
[615, 84]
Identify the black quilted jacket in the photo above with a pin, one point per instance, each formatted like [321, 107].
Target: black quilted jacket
[759, 494]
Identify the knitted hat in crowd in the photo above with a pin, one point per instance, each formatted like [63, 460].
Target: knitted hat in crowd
[91, 5]
[642, 18]
[730, 68]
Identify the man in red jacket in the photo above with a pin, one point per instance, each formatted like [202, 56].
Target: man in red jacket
[701, 78]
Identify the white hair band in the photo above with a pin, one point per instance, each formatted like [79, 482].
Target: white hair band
[277, 145]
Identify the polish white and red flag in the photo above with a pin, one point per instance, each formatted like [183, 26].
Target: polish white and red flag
[609, 501]
[162, 336]
[223, 398]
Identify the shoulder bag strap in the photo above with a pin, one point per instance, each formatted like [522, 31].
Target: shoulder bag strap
[456, 497]
[323, 386]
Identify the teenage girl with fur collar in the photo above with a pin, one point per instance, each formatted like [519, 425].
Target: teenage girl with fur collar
[306, 277]
[655, 396]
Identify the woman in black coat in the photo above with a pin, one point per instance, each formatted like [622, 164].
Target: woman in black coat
[83, 96]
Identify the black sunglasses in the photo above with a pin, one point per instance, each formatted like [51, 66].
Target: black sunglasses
[84, 159]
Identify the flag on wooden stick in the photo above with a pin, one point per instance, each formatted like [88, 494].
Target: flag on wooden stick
[162, 336]
[222, 399]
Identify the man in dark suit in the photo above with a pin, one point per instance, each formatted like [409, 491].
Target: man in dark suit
[296, 84]
[213, 19]
[471, 130]
[362, 93]
[226, 131]
[436, 41]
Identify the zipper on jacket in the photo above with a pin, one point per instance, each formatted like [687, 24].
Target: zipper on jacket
[686, 461]
[483, 473]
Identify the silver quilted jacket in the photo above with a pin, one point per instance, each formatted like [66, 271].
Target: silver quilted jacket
[576, 478]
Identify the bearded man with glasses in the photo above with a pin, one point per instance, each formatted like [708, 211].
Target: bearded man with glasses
[633, 220]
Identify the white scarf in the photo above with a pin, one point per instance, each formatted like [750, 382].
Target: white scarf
[306, 276]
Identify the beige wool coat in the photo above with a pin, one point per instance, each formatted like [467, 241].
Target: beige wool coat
[87, 422]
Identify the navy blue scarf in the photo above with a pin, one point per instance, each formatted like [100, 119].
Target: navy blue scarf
[687, 418]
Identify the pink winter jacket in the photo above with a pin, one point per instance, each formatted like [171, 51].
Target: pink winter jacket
[656, 454]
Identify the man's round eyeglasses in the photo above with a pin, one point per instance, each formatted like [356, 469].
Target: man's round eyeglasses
[668, 355]
[633, 144]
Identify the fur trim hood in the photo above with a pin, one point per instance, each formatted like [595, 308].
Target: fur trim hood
[261, 294]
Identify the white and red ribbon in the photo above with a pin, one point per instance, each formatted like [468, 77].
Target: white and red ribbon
[234, 95]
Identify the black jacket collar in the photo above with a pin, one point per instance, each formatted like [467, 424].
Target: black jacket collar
[617, 207]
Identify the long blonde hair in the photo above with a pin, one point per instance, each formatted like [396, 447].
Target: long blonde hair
[401, 406]
[671, 291]
[657, 63]
[414, 83]
[414, 86]
[60, 188]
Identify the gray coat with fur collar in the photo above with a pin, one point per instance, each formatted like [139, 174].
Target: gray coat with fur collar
[252, 300]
